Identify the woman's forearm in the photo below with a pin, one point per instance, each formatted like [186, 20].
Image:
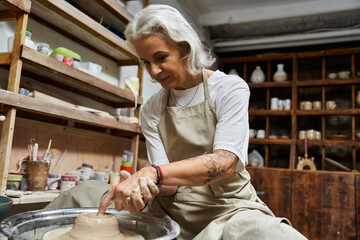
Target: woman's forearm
[200, 170]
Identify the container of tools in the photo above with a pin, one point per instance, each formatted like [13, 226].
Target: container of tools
[38, 172]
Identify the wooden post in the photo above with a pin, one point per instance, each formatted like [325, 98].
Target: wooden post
[136, 139]
[7, 130]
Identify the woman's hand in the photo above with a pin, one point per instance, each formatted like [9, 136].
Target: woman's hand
[148, 189]
[131, 194]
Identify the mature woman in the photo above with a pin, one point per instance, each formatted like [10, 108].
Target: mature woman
[196, 130]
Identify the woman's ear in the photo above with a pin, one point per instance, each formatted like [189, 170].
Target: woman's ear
[184, 48]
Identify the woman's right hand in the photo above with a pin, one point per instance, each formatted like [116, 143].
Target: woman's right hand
[148, 189]
[141, 192]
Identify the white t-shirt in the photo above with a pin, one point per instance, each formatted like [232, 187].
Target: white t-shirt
[230, 95]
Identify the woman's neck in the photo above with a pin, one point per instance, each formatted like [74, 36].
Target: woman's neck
[191, 81]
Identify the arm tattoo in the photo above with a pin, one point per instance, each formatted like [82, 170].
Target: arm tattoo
[216, 164]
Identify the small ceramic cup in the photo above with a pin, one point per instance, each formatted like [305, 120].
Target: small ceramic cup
[332, 75]
[316, 105]
[260, 133]
[305, 105]
[302, 134]
[273, 136]
[308, 105]
[274, 103]
[68, 60]
[58, 57]
[43, 48]
[252, 133]
[318, 135]
[281, 104]
[330, 105]
[76, 64]
[344, 74]
[311, 134]
[287, 104]
[284, 136]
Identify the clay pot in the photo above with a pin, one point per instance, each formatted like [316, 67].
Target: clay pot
[257, 75]
[280, 75]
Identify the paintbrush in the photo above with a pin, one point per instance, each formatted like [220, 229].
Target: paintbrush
[54, 152]
[47, 152]
[35, 151]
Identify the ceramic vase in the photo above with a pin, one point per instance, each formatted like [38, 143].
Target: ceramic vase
[257, 75]
[280, 75]
[233, 72]
[358, 98]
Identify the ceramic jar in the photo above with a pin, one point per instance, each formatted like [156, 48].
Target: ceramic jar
[233, 72]
[358, 98]
[280, 75]
[257, 75]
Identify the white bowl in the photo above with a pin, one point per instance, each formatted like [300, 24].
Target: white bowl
[332, 75]
[344, 74]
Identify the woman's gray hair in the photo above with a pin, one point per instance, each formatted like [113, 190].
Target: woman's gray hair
[168, 22]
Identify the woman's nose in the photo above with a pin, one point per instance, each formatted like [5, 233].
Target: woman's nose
[155, 69]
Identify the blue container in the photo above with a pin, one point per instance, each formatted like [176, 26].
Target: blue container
[5, 206]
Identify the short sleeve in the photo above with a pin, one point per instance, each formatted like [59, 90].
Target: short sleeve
[232, 129]
[150, 116]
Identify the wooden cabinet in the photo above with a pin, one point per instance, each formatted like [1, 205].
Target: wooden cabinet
[24, 61]
[320, 205]
[308, 80]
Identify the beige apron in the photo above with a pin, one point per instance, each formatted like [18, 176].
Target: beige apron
[187, 133]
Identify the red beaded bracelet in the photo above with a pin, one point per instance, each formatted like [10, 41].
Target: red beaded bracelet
[161, 175]
[158, 175]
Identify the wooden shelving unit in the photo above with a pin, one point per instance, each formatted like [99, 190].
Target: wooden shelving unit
[70, 21]
[23, 61]
[55, 73]
[29, 104]
[307, 81]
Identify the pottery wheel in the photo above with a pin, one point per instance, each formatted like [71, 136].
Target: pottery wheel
[92, 226]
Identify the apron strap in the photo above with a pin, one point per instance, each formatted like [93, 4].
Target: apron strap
[206, 87]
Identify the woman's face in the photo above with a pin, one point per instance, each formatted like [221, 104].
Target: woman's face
[163, 61]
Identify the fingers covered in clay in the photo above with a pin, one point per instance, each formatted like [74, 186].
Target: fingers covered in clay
[110, 196]
[142, 193]
[148, 189]
[107, 200]
[124, 175]
[152, 186]
[132, 193]
[136, 200]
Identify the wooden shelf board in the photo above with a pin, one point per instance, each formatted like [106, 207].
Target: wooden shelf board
[49, 109]
[262, 112]
[270, 141]
[49, 68]
[331, 52]
[271, 84]
[5, 58]
[355, 111]
[329, 142]
[108, 10]
[7, 15]
[257, 58]
[81, 26]
[16, 5]
[328, 82]
[36, 197]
